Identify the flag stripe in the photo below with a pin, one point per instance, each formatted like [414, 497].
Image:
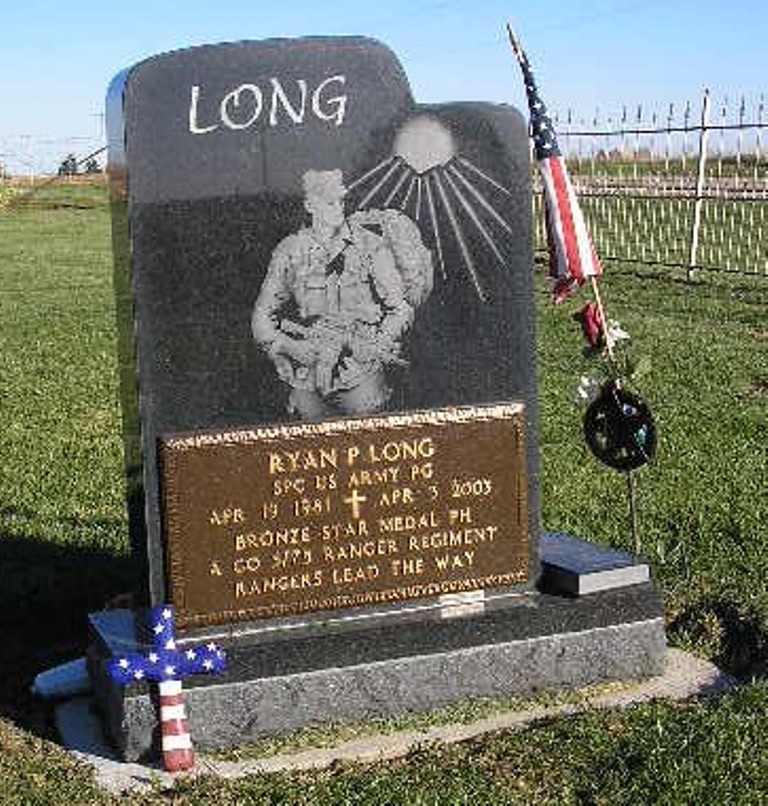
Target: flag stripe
[575, 253]
[172, 699]
[566, 248]
[181, 742]
[175, 727]
[168, 712]
[170, 688]
[588, 266]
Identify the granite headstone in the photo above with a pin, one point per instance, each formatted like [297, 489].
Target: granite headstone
[237, 159]
[325, 302]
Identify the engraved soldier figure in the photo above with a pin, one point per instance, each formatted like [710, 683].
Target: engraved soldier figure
[337, 300]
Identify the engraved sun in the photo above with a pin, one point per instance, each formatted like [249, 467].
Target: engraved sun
[454, 202]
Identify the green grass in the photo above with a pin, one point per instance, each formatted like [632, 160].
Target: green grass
[649, 754]
[703, 509]
[704, 503]
[62, 524]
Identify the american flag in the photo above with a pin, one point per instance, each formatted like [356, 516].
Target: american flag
[572, 257]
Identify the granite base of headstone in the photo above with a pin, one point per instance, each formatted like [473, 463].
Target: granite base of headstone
[325, 302]
[540, 641]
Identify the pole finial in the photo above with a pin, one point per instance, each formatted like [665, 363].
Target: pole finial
[514, 42]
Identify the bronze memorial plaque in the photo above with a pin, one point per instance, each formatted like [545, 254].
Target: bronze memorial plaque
[287, 519]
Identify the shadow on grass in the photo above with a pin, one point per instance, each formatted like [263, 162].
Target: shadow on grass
[46, 592]
[735, 641]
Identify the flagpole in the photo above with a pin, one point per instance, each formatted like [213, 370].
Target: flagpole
[603, 320]
[513, 41]
[631, 481]
[632, 492]
[548, 152]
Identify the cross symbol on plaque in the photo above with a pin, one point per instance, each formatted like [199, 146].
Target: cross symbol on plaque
[354, 501]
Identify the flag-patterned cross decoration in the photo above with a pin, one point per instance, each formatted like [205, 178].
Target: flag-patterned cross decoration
[572, 257]
[167, 666]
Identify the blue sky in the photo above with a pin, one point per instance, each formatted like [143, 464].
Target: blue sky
[57, 58]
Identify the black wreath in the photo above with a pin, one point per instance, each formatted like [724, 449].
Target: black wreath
[619, 428]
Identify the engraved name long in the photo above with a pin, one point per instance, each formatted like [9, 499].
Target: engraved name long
[273, 104]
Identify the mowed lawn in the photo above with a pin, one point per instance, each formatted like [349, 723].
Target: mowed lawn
[703, 511]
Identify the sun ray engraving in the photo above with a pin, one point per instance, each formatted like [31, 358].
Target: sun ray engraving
[366, 176]
[480, 199]
[475, 218]
[419, 188]
[380, 184]
[407, 197]
[435, 228]
[484, 175]
[446, 195]
[465, 253]
[398, 185]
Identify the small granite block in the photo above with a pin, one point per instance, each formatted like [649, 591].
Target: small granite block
[577, 567]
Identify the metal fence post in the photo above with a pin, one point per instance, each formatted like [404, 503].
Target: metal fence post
[699, 198]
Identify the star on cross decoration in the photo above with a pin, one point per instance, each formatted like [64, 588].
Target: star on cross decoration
[165, 661]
